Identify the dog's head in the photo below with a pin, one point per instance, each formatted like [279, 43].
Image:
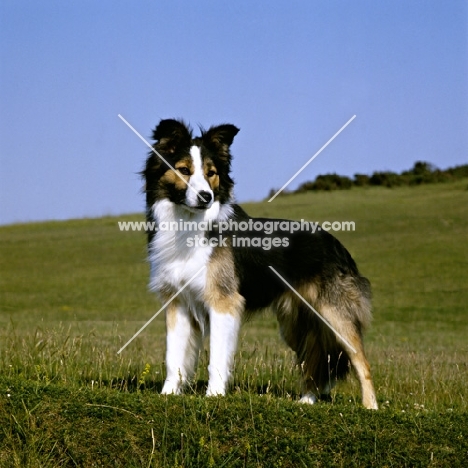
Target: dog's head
[191, 172]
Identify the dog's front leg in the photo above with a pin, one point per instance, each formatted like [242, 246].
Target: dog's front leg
[183, 345]
[224, 330]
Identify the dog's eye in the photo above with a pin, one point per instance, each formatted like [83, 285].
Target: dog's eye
[184, 170]
[210, 173]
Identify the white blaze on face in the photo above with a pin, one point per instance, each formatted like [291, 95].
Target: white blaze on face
[197, 181]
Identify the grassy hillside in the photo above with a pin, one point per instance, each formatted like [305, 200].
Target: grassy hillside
[72, 293]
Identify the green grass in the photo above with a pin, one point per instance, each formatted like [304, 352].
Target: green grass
[72, 293]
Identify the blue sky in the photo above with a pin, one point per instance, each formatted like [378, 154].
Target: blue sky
[288, 73]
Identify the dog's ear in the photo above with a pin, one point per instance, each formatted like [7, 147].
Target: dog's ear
[220, 138]
[172, 134]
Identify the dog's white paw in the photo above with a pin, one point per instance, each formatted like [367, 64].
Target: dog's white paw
[171, 388]
[371, 403]
[308, 399]
[218, 389]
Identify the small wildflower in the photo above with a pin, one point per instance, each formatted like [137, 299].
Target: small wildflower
[145, 372]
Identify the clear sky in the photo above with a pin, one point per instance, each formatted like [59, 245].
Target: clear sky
[288, 73]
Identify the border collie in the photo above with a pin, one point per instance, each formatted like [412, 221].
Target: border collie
[187, 180]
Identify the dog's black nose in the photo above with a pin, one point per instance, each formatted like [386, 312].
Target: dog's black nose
[204, 197]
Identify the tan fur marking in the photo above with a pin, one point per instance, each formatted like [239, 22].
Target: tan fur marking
[221, 285]
[208, 166]
[171, 178]
[171, 310]
[165, 293]
[171, 315]
[214, 182]
[185, 162]
[362, 368]
[289, 302]
[287, 309]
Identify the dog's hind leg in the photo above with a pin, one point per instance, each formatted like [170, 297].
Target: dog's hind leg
[322, 363]
[184, 339]
[348, 337]
[299, 337]
[321, 351]
[361, 366]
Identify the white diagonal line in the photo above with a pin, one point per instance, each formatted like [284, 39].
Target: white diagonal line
[161, 309]
[312, 158]
[159, 155]
[312, 309]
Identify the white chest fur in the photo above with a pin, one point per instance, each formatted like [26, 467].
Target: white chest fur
[173, 256]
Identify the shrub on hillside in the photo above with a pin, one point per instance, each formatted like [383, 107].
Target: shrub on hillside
[458, 172]
[361, 180]
[421, 173]
[327, 182]
[386, 179]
